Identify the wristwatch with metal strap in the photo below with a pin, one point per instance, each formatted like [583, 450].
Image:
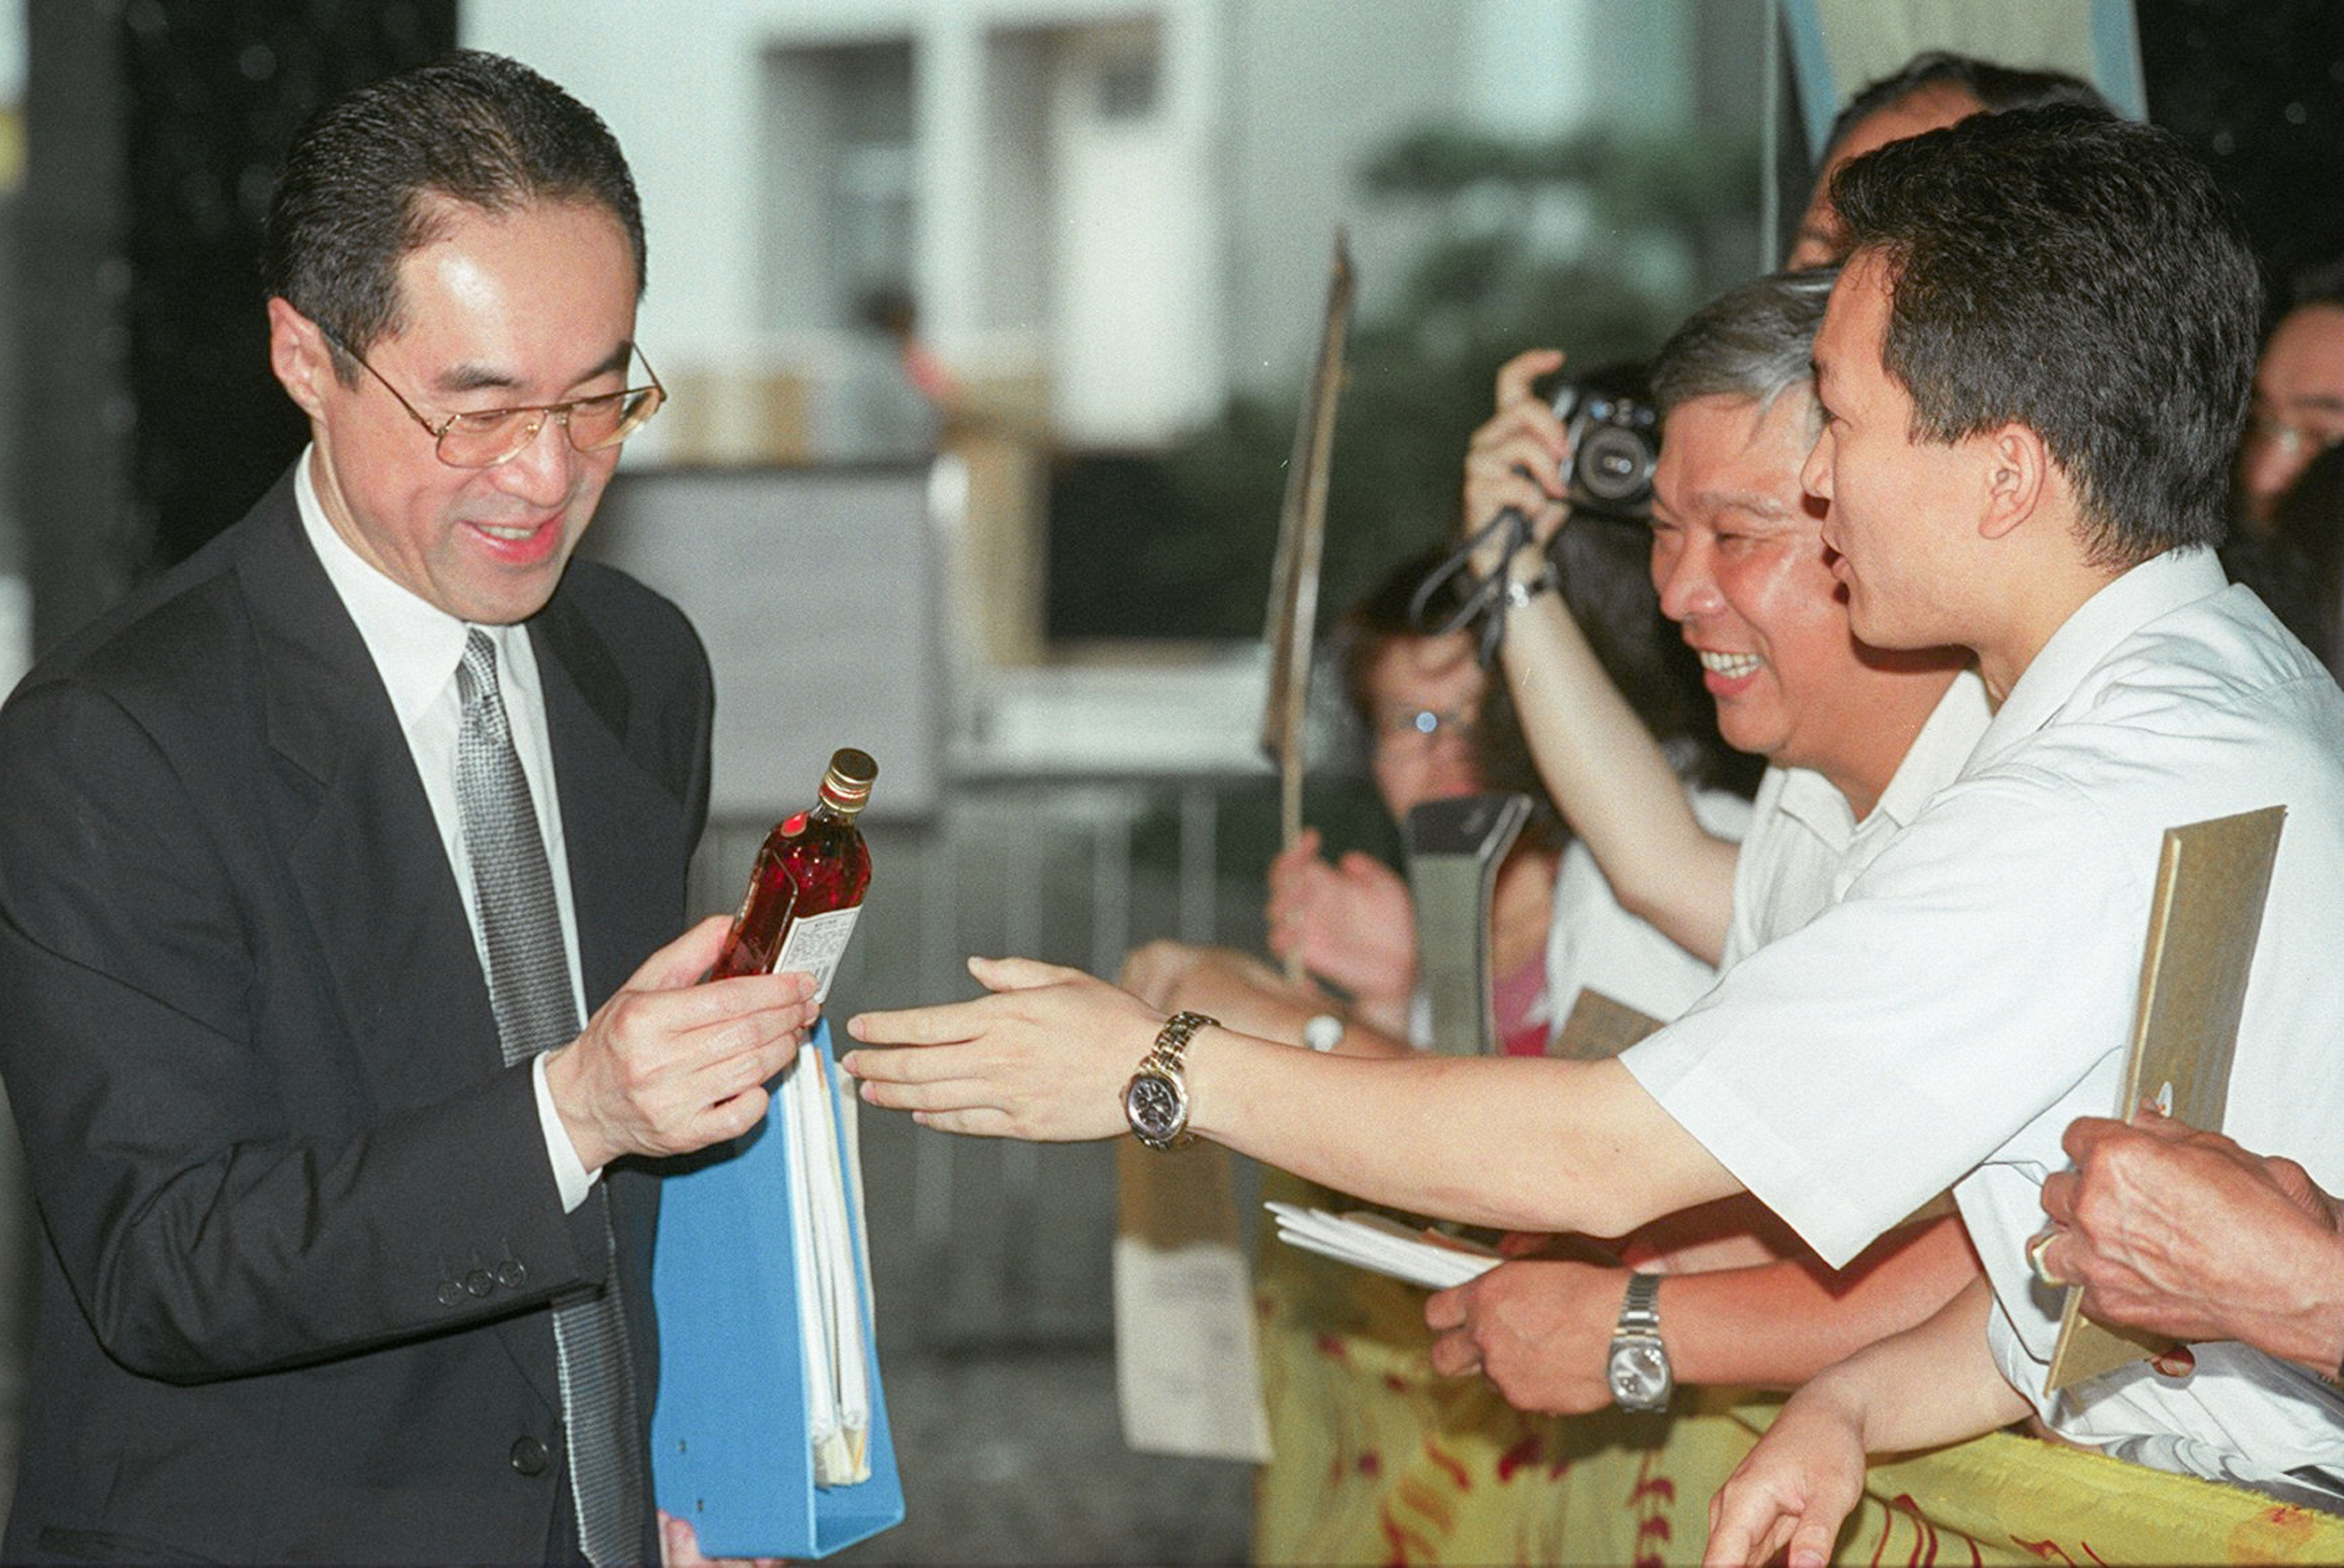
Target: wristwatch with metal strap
[1641, 1379]
[1155, 1100]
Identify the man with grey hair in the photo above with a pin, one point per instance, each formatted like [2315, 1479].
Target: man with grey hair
[2013, 465]
[1857, 741]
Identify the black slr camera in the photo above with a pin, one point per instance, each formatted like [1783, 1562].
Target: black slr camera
[1615, 444]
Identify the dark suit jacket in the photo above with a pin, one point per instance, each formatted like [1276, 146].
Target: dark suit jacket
[299, 1229]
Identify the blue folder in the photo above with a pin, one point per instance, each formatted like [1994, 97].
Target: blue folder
[730, 1450]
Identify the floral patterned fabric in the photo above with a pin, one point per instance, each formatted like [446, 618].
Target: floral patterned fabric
[1377, 1461]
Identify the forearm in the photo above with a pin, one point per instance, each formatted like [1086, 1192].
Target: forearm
[1778, 1324]
[1223, 988]
[1611, 783]
[1518, 1143]
[2299, 1314]
[1934, 1383]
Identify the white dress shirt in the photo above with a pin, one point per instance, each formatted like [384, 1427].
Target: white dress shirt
[416, 647]
[1804, 849]
[1974, 991]
[1594, 945]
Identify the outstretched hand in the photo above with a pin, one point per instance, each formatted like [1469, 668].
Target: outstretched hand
[1045, 1056]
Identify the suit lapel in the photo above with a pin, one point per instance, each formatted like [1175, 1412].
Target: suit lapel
[367, 863]
[625, 836]
[623, 830]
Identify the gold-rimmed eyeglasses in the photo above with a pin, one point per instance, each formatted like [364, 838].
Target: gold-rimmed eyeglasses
[487, 437]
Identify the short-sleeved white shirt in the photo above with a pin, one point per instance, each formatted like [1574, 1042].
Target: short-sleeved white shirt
[1805, 847]
[1593, 943]
[1974, 991]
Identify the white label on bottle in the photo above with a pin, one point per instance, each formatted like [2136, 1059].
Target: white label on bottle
[815, 945]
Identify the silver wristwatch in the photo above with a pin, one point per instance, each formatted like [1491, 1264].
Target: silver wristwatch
[1155, 1100]
[1641, 1379]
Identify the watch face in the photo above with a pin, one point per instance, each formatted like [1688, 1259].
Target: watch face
[1640, 1374]
[1156, 1105]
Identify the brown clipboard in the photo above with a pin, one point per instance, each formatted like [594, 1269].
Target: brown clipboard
[2212, 878]
[1301, 536]
[1168, 1202]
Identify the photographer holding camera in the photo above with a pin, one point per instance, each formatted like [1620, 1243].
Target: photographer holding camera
[1856, 740]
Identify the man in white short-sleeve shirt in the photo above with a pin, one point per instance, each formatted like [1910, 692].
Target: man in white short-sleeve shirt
[2032, 370]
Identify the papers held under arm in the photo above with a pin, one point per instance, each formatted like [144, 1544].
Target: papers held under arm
[2202, 923]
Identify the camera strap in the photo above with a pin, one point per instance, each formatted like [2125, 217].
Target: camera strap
[1486, 599]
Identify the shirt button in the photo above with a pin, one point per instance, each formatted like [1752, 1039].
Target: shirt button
[510, 1273]
[450, 1292]
[527, 1456]
[479, 1281]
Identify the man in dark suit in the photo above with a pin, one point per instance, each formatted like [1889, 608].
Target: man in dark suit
[338, 1262]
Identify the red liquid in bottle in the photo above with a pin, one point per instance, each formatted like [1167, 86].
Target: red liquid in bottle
[807, 887]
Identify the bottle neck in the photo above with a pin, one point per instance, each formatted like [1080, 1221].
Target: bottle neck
[828, 809]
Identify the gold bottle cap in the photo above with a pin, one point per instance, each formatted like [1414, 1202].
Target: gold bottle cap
[848, 782]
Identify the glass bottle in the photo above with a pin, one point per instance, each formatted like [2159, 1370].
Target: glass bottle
[807, 886]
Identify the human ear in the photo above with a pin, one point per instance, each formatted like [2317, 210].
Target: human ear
[299, 355]
[2017, 469]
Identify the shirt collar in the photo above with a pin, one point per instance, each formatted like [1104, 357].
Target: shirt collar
[2155, 588]
[1810, 799]
[1939, 748]
[416, 646]
[1937, 753]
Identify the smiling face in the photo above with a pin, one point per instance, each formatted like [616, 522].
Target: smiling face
[1739, 560]
[532, 306]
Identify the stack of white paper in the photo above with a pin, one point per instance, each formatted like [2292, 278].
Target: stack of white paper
[830, 1308]
[1379, 1243]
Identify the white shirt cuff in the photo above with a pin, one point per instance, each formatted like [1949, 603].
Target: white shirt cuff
[570, 1173]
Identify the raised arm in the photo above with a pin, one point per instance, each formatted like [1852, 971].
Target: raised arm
[1602, 766]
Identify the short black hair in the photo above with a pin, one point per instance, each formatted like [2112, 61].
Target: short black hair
[1997, 89]
[356, 195]
[2082, 276]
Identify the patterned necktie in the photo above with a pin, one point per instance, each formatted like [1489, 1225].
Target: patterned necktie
[529, 985]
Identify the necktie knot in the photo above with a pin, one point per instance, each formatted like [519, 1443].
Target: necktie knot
[476, 674]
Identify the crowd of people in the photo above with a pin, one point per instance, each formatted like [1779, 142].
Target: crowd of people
[1939, 516]
[345, 1019]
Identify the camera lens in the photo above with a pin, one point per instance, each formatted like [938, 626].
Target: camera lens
[1615, 465]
